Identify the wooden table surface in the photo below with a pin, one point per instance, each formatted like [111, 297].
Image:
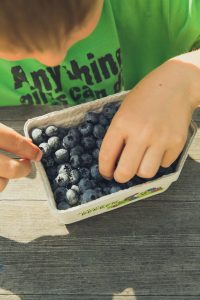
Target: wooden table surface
[148, 250]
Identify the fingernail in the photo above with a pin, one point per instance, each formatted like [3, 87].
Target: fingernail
[39, 156]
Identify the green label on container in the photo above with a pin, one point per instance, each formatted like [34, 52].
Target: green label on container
[127, 200]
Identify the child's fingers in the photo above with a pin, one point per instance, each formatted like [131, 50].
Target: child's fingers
[3, 183]
[13, 168]
[129, 161]
[13, 142]
[170, 156]
[110, 150]
[151, 161]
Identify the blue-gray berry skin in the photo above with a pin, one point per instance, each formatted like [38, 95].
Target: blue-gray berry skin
[95, 154]
[92, 117]
[75, 188]
[137, 180]
[84, 172]
[38, 136]
[45, 149]
[109, 111]
[62, 132]
[99, 192]
[95, 172]
[103, 120]
[106, 190]
[85, 128]
[86, 159]
[63, 205]
[72, 197]
[60, 194]
[64, 168]
[88, 195]
[54, 143]
[48, 161]
[51, 131]
[75, 161]
[99, 131]
[77, 150]
[70, 140]
[61, 156]
[114, 189]
[85, 184]
[51, 172]
[99, 143]
[88, 142]
[62, 179]
[74, 176]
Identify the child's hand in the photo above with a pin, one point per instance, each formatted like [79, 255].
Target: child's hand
[150, 128]
[13, 142]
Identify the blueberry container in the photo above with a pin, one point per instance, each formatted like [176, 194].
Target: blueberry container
[74, 115]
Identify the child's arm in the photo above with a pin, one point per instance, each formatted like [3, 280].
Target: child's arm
[15, 143]
[150, 128]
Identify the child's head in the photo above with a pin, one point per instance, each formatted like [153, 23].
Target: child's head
[45, 29]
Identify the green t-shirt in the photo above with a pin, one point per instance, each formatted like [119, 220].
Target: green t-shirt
[132, 38]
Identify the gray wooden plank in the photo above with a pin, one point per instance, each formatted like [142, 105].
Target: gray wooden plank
[94, 297]
[153, 249]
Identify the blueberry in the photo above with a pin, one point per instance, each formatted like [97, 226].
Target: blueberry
[61, 156]
[84, 173]
[77, 150]
[62, 179]
[99, 192]
[106, 190]
[89, 195]
[60, 194]
[75, 161]
[95, 154]
[103, 120]
[74, 176]
[45, 149]
[48, 161]
[115, 188]
[62, 132]
[51, 172]
[38, 136]
[99, 131]
[63, 205]
[99, 142]
[137, 180]
[70, 140]
[51, 131]
[95, 172]
[72, 197]
[88, 142]
[75, 188]
[85, 128]
[64, 168]
[75, 132]
[54, 143]
[91, 117]
[86, 159]
[84, 184]
[109, 111]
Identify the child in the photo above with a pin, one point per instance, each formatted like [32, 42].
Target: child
[72, 51]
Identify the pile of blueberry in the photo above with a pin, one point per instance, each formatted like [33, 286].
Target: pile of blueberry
[70, 159]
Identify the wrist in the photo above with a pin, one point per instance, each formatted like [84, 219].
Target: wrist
[187, 68]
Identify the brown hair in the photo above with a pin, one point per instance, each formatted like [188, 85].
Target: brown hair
[40, 24]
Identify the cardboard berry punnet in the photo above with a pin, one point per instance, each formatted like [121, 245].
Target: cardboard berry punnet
[73, 116]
